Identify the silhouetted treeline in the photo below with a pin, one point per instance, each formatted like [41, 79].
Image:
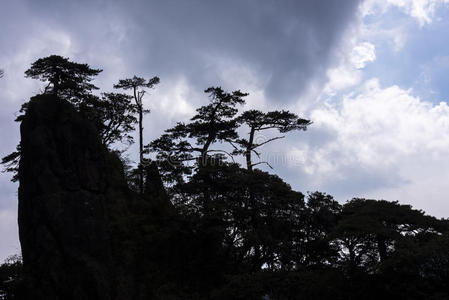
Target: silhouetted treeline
[239, 232]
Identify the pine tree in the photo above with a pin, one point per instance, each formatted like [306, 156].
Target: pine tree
[257, 121]
[66, 79]
[138, 85]
[213, 123]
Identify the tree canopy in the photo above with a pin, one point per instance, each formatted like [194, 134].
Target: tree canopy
[192, 142]
[66, 79]
[114, 116]
[257, 121]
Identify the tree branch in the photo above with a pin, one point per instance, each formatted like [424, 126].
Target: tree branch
[263, 162]
[232, 144]
[270, 140]
[257, 153]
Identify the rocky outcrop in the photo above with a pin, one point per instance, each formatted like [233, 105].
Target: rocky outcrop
[84, 233]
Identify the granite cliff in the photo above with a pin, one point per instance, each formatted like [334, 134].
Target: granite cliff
[84, 233]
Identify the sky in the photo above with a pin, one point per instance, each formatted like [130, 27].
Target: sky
[372, 75]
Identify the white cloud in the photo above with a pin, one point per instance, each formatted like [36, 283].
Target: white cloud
[353, 56]
[347, 74]
[342, 77]
[362, 54]
[422, 10]
[385, 135]
[174, 100]
[390, 23]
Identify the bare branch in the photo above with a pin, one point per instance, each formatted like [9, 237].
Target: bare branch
[263, 162]
[270, 140]
[232, 144]
[268, 127]
[257, 153]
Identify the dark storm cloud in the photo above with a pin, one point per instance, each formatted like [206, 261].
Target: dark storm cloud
[288, 44]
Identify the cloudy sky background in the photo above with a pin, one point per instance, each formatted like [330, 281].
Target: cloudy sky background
[372, 75]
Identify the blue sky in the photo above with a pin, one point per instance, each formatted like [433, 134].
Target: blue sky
[421, 63]
[372, 75]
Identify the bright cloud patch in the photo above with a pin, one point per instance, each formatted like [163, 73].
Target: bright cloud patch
[422, 10]
[347, 73]
[362, 54]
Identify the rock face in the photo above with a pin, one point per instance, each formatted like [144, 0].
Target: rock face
[84, 233]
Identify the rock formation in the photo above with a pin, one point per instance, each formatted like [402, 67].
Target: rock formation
[84, 233]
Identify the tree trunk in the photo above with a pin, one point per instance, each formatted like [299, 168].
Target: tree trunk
[140, 167]
[382, 248]
[249, 165]
[141, 150]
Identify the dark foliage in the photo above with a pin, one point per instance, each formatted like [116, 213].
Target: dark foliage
[192, 142]
[66, 79]
[113, 115]
[11, 163]
[11, 274]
